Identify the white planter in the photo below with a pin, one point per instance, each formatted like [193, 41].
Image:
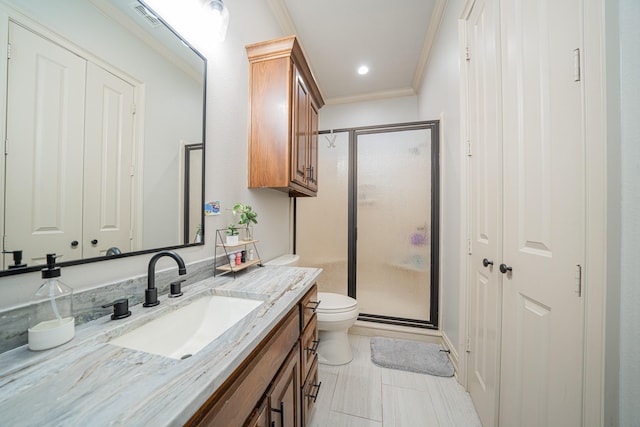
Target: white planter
[232, 240]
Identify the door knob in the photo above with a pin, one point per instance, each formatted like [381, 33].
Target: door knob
[505, 268]
[94, 242]
[74, 244]
[486, 262]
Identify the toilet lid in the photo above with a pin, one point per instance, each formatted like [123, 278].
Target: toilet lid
[335, 302]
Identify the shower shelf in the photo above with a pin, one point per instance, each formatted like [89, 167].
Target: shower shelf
[411, 267]
[226, 267]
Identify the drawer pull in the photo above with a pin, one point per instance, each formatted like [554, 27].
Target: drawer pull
[315, 305]
[281, 412]
[314, 348]
[315, 396]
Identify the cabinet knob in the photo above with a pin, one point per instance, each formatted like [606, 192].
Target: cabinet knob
[486, 262]
[504, 269]
[74, 244]
[94, 242]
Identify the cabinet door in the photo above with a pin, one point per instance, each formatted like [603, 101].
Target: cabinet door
[260, 416]
[300, 129]
[284, 396]
[312, 177]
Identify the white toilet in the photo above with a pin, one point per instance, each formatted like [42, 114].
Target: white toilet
[336, 314]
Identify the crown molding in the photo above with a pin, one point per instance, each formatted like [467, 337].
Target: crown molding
[281, 13]
[432, 31]
[371, 96]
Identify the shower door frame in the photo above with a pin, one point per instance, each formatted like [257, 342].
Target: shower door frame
[352, 217]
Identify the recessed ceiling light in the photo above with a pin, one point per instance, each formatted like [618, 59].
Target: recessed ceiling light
[363, 70]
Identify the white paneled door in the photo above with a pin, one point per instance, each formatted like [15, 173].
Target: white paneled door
[527, 214]
[45, 134]
[108, 162]
[544, 214]
[70, 150]
[485, 184]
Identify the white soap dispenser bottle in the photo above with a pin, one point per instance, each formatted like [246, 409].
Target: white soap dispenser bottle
[51, 323]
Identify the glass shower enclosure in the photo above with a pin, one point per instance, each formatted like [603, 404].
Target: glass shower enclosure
[374, 226]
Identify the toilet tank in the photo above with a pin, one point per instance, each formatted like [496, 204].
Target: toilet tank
[289, 260]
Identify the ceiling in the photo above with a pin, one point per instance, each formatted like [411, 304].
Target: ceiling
[392, 38]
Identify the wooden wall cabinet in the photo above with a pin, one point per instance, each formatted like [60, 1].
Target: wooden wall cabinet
[284, 100]
[277, 384]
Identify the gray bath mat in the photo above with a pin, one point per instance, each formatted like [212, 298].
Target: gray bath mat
[413, 356]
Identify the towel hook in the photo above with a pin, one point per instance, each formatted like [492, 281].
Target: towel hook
[331, 140]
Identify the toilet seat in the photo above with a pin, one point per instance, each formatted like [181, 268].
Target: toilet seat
[335, 303]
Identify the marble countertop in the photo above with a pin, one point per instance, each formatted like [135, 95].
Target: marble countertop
[91, 382]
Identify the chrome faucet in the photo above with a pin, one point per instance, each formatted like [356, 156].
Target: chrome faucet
[151, 293]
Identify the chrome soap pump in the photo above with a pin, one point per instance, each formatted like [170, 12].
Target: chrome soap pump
[51, 323]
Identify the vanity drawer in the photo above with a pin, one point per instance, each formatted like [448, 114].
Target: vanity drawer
[308, 306]
[309, 341]
[310, 392]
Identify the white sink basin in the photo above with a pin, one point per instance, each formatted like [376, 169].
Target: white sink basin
[187, 330]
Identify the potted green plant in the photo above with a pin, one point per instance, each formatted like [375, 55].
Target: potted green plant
[247, 218]
[232, 234]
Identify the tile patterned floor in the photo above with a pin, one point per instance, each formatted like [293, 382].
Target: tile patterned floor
[361, 394]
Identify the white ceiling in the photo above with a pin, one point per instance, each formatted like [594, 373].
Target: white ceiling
[393, 38]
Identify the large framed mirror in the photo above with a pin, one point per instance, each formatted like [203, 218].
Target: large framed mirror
[101, 99]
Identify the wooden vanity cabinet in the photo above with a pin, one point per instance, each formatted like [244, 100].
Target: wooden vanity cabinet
[281, 405]
[275, 384]
[234, 402]
[284, 100]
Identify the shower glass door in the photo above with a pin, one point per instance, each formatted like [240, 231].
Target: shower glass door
[322, 221]
[396, 225]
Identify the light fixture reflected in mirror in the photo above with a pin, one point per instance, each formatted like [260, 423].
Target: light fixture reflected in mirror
[219, 13]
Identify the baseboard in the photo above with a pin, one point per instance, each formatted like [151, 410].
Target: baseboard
[373, 329]
[453, 355]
